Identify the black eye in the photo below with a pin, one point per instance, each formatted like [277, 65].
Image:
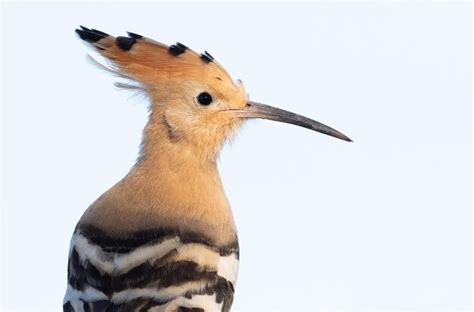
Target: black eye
[204, 98]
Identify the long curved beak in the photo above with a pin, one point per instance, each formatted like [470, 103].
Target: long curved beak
[259, 110]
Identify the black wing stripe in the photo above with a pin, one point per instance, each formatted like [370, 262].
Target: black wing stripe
[84, 273]
[150, 237]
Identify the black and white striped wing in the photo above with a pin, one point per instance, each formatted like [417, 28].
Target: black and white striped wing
[153, 271]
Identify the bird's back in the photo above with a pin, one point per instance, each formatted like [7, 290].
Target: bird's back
[144, 245]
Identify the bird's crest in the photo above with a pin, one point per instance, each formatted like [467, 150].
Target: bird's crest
[150, 62]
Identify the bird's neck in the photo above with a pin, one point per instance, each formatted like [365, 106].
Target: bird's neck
[172, 185]
[161, 149]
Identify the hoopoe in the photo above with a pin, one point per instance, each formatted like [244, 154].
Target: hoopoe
[163, 238]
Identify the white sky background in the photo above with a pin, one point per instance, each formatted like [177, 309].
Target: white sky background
[381, 223]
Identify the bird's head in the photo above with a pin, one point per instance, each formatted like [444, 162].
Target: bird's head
[194, 101]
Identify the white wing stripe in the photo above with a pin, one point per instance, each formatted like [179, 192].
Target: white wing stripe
[116, 264]
[113, 263]
[163, 294]
[89, 294]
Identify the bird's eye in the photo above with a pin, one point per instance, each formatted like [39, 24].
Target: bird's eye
[204, 98]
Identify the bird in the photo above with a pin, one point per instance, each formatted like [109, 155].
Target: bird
[163, 238]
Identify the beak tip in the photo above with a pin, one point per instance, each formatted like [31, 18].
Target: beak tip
[344, 137]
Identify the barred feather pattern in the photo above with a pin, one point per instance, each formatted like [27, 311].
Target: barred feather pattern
[158, 270]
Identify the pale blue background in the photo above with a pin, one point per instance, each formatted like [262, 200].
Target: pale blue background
[382, 223]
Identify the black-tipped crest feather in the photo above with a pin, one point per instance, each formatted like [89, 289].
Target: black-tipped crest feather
[90, 35]
[125, 43]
